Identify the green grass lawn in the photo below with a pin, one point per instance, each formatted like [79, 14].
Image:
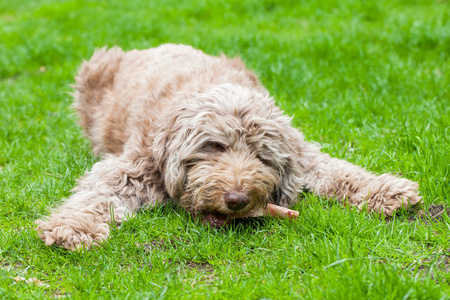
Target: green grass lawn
[369, 80]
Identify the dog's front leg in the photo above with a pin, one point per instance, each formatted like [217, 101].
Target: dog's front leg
[336, 178]
[115, 187]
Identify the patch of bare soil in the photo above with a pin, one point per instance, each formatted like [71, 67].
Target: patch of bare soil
[434, 214]
[163, 245]
[206, 267]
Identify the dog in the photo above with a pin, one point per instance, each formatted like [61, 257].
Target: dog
[175, 124]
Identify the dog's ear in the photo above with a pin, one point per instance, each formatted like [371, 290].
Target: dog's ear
[171, 144]
[291, 180]
[281, 146]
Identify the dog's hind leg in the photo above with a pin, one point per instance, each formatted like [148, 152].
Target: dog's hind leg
[115, 188]
[332, 177]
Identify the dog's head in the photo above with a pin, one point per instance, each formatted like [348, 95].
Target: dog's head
[227, 152]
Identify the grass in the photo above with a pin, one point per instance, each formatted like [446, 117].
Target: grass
[366, 79]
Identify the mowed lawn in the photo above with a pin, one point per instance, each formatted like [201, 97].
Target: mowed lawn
[368, 80]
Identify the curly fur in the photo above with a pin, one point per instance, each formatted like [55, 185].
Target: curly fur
[174, 123]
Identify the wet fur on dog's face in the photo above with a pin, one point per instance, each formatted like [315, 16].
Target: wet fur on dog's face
[224, 149]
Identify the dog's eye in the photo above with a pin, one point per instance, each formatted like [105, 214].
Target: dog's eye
[263, 160]
[213, 146]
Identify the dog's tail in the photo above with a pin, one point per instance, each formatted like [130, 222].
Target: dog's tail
[97, 74]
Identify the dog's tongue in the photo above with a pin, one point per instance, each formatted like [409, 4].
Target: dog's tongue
[216, 220]
[220, 220]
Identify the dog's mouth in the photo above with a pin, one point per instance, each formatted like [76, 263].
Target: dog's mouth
[216, 220]
[219, 220]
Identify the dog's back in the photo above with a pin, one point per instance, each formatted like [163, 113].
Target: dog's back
[116, 91]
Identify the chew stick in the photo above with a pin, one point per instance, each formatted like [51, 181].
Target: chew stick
[273, 210]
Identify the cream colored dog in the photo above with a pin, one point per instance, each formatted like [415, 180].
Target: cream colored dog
[175, 124]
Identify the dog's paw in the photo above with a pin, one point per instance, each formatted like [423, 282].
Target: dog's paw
[70, 234]
[390, 193]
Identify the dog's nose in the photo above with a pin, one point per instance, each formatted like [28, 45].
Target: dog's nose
[236, 200]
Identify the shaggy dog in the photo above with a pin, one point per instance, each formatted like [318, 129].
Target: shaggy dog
[175, 124]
